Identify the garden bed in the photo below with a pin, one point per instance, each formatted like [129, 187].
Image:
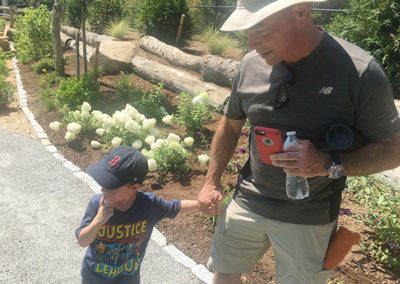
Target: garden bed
[192, 233]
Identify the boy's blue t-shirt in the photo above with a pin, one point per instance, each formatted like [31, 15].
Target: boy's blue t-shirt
[116, 254]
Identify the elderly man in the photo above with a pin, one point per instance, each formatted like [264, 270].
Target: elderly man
[296, 78]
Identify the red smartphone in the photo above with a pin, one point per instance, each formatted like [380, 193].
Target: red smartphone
[269, 141]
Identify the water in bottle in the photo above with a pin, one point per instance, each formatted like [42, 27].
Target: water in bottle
[296, 186]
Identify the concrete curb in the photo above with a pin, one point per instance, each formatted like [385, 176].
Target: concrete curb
[199, 270]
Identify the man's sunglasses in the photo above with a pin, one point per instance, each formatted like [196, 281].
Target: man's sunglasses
[283, 96]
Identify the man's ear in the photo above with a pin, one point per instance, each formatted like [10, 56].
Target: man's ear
[302, 12]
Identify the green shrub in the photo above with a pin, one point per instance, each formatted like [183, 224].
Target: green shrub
[150, 103]
[74, 91]
[43, 66]
[51, 79]
[216, 41]
[127, 90]
[4, 68]
[32, 37]
[161, 19]
[101, 12]
[48, 97]
[192, 117]
[2, 25]
[172, 159]
[375, 27]
[6, 55]
[6, 92]
[118, 28]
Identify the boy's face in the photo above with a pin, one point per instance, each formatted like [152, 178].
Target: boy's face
[119, 195]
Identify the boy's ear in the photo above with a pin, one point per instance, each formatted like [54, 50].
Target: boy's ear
[134, 186]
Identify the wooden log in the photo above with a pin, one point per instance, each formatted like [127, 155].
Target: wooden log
[218, 70]
[178, 81]
[170, 53]
[91, 38]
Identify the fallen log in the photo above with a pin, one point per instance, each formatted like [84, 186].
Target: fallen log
[91, 38]
[218, 70]
[170, 53]
[178, 81]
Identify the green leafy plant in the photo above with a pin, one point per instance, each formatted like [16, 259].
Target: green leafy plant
[74, 91]
[48, 97]
[32, 34]
[150, 102]
[382, 201]
[50, 79]
[102, 12]
[161, 19]
[193, 117]
[6, 55]
[118, 28]
[4, 68]
[43, 66]
[172, 159]
[216, 41]
[126, 90]
[6, 92]
[2, 25]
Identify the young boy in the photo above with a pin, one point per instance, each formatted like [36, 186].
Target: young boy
[118, 223]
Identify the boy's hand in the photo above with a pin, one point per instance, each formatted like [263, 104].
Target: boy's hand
[105, 212]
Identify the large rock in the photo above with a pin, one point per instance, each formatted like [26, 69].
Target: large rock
[115, 56]
[178, 81]
[219, 70]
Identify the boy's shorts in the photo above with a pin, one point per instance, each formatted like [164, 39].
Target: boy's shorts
[242, 237]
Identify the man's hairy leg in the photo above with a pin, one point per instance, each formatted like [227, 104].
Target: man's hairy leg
[227, 278]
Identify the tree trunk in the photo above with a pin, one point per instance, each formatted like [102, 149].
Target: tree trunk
[84, 39]
[172, 54]
[218, 70]
[178, 81]
[58, 49]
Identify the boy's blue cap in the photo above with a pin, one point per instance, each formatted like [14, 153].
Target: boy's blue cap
[122, 165]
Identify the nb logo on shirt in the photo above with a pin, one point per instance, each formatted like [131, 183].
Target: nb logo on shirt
[326, 91]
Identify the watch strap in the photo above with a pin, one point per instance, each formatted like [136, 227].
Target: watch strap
[335, 158]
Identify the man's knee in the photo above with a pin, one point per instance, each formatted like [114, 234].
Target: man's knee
[227, 278]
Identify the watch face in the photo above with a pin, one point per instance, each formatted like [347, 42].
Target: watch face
[335, 171]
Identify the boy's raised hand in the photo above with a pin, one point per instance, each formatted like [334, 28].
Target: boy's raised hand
[105, 212]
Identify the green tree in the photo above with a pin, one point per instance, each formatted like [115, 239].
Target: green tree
[374, 25]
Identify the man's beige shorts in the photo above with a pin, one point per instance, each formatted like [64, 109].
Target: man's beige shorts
[242, 237]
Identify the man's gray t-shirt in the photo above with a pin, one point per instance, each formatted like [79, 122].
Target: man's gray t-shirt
[337, 83]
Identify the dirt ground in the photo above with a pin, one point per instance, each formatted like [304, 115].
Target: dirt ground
[191, 233]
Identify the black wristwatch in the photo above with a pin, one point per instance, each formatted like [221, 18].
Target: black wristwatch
[336, 170]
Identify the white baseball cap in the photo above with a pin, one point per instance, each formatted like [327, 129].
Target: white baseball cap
[249, 13]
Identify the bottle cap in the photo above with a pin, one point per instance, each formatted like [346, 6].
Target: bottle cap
[290, 133]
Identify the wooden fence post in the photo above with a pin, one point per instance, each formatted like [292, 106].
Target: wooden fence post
[180, 29]
[77, 54]
[12, 16]
[96, 59]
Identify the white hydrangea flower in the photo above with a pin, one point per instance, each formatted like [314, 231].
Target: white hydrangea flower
[155, 146]
[155, 132]
[55, 125]
[152, 164]
[144, 151]
[168, 119]
[98, 116]
[160, 141]
[85, 114]
[172, 137]
[120, 118]
[132, 126]
[203, 159]
[70, 136]
[95, 144]
[137, 144]
[100, 131]
[201, 98]
[175, 146]
[86, 107]
[150, 139]
[74, 127]
[188, 141]
[77, 114]
[139, 117]
[108, 122]
[116, 141]
[149, 123]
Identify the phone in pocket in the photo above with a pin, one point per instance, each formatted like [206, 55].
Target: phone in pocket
[269, 141]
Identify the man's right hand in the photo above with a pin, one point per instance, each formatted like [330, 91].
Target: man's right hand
[210, 198]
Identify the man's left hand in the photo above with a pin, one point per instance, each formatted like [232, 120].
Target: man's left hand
[302, 159]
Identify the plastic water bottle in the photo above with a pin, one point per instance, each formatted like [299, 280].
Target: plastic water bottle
[296, 186]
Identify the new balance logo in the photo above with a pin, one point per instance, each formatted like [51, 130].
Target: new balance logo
[326, 91]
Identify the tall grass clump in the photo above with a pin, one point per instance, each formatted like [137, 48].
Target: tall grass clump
[118, 28]
[216, 41]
